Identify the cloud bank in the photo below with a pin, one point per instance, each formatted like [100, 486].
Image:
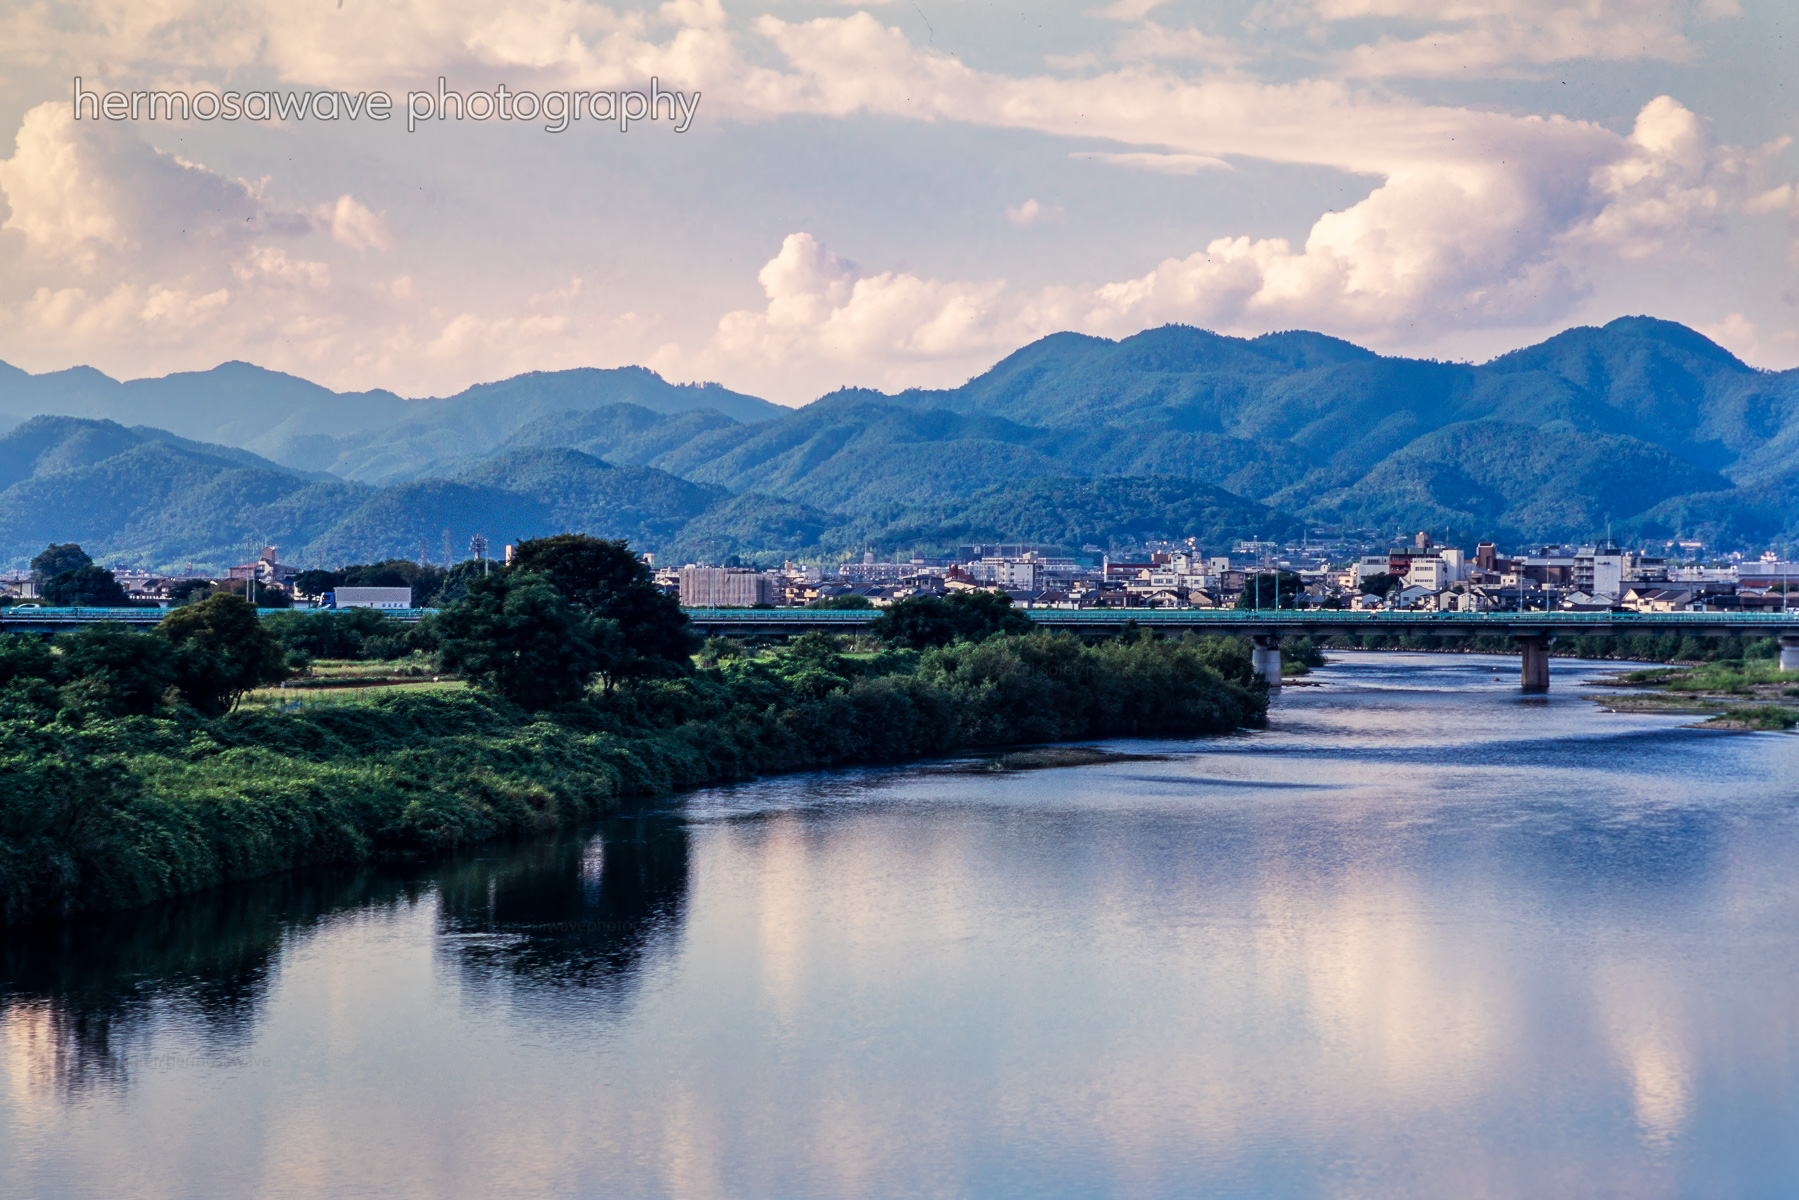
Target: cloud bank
[1471, 218]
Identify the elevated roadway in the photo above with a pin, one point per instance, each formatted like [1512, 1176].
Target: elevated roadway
[32, 618]
[1532, 631]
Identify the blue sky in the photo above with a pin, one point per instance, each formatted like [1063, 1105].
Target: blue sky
[893, 194]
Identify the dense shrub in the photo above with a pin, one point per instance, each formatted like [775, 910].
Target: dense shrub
[105, 809]
[922, 621]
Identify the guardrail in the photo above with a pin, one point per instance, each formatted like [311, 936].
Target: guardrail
[32, 616]
[1262, 620]
[1277, 619]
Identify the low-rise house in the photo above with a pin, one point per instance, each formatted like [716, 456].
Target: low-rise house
[1659, 600]
[388, 599]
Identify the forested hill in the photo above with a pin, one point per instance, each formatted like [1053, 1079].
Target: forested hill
[1643, 423]
[1642, 426]
[367, 436]
[143, 497]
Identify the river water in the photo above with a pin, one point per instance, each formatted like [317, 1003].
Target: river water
[1422, 937]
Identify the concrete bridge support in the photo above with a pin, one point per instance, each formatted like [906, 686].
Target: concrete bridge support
[1789, 651]
[1533, 675]
[1266, 657]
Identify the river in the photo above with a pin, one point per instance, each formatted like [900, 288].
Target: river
[1422, 937]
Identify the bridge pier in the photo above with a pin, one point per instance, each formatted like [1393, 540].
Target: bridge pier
[1789, 651]
[1533, 674]
[1266, 657]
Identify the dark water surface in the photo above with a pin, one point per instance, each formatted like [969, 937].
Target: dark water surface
[1424, 937]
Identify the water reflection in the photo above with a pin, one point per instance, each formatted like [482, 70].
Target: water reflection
[76, 999]
[79, 1002]
[1411, 941]
[578, 914]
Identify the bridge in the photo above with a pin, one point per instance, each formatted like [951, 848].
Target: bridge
[1532, 631]
[35, 618]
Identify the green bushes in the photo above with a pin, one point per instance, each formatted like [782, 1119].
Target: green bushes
[104, 809]
[921, 621]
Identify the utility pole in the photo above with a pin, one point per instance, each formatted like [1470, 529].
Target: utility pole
[447, 563]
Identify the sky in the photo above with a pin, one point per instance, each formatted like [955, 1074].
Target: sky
[889, 194]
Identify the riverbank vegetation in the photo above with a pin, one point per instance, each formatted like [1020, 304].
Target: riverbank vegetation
[1744, 694]
[141, 765]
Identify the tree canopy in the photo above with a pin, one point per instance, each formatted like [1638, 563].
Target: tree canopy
[115, 668]
[223, 651]
[923, 621]
[85, 587]
[606, 580]
[516, 634]
[1271, 589]
[59, 558]
[851, 602]
[1380, 585]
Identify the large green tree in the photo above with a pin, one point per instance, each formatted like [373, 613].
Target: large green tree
[851, 603]
[58, 559]
[923, 621]
[518, 635]
[222, 651]
[116, 668]
[85, 587]
[606, 580]
[1271, 589]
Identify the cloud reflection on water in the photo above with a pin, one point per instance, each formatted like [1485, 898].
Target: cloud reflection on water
[1461, 959]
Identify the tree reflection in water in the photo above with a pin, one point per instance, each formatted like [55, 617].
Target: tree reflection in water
[571, 915]
[79, 1002]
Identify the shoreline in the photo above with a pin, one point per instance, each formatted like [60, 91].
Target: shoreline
[109, 813]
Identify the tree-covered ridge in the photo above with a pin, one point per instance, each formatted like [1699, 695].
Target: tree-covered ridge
[1642, 425]
[374, 436]
[146, 499]
[1697, 442]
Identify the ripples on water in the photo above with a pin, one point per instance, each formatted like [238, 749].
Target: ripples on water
[1423, 937]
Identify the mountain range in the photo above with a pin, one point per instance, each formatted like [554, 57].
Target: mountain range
[1643, 427]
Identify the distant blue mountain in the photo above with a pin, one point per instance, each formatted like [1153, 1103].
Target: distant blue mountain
[1642, 426]
[372, 436]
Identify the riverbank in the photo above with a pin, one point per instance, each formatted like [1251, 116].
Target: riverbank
[1752, 694]
[104, 811]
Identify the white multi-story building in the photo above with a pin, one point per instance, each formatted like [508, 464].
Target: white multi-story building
[1599, 571]
[1013, 574]
[1431, 573]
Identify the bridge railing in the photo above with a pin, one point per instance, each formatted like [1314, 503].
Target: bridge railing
[1268, 617]
[24, 613]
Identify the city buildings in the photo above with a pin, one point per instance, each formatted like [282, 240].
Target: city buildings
[1410, 573]
[725, 587]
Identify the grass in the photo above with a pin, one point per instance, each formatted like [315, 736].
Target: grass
[1756, 716]
[345, 682]
[1735, 694]
[1735, 678]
